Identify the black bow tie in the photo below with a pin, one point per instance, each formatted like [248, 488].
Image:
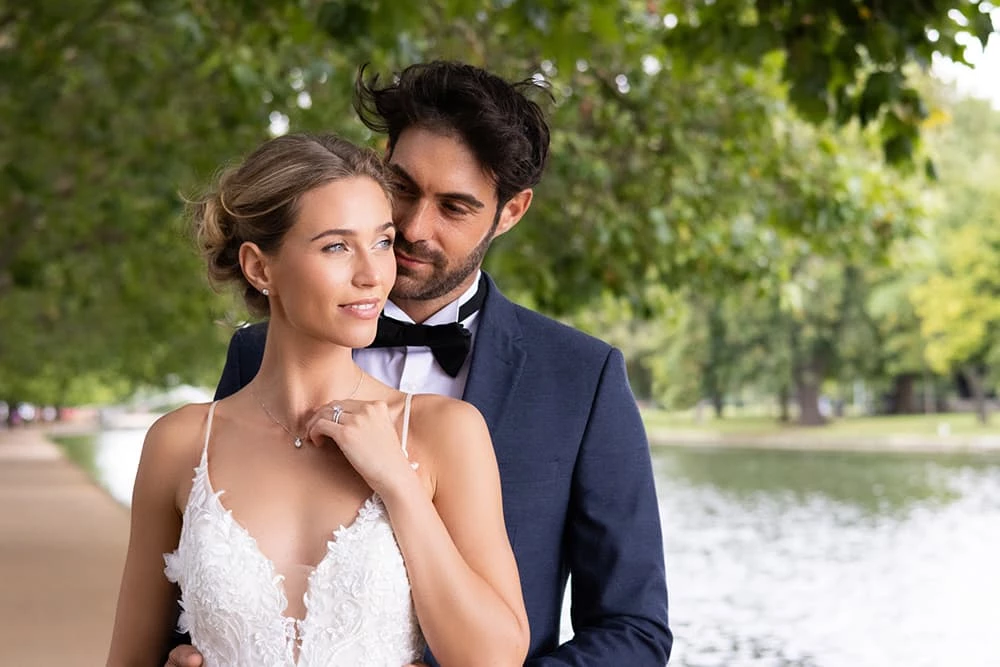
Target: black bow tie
[449, 343]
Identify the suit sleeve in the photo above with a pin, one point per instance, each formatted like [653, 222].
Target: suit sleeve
[230, 383]
[614, 541]
[246, 350]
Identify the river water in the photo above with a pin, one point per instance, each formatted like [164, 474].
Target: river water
[806, 559]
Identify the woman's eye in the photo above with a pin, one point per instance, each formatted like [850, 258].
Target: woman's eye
[385, 243]
[335, 247]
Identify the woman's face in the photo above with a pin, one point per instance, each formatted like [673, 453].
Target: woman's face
[335, 267]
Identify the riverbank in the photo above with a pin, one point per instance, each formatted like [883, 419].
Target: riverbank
[795, 440]
[940, 433]
[61, 555]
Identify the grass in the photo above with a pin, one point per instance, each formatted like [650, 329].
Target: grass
[79, 449]
[756, 424]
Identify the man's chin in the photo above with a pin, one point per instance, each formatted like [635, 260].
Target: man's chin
[405, 287]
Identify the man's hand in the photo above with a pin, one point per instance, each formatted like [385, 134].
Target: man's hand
[184, 655]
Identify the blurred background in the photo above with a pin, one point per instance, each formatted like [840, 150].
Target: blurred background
[786, 215]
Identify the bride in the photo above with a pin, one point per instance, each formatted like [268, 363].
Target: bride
[317, 517]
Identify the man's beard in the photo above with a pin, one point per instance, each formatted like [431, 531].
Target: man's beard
[441, 281]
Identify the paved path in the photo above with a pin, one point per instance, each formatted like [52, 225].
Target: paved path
[62, 547]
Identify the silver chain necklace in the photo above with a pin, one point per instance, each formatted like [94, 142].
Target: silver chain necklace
[298, 438]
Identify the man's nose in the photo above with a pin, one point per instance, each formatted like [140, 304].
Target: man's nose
[415, 221]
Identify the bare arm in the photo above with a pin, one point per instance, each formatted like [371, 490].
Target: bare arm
[466, 588]
[146, 601]
[462, 572]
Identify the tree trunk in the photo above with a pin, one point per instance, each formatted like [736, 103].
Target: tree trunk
[930, 402]
[718, 404]
[807, 387]
[783, 398]
[904, 395]
[718, 365]
[808, 396]
[975, 380]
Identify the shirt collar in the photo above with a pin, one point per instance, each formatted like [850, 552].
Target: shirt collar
[447, 314]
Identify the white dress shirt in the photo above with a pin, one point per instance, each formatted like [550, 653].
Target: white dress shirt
[413, 369]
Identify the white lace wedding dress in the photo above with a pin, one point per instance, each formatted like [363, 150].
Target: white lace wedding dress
[358, 606]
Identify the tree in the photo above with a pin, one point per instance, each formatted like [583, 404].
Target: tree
[959, 304]
[846, 59]
[110, 108]
[959, 308]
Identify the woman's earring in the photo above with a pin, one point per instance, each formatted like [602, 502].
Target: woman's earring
[265, 291]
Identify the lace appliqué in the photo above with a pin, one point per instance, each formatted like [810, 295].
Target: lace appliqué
[358, 605]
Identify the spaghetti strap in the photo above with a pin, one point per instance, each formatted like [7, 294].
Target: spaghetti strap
[406, 423]
[208, 431]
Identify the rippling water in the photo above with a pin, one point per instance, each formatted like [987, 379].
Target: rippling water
[781, 559]
[809, 559]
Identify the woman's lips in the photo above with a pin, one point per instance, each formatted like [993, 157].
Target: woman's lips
[365, 310]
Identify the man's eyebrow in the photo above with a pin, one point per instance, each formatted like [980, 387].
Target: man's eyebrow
[467, 199]
[350, 232]
[401, 173]
[463, 197]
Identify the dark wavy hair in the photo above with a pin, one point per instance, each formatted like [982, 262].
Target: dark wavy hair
[505, 130]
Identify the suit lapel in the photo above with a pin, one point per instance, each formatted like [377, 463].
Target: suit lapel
[497, 357]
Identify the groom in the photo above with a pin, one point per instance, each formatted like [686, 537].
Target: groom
[578, 496]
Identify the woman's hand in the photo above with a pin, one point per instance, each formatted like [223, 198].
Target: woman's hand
[365, 433]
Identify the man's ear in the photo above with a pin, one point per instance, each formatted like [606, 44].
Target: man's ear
[513, 211]
[255, 266]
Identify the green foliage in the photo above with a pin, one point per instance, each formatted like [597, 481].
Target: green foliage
[845, 59]
[897, 328]
[959, 302]
[959, 306]
[115, 108]
[675, 160]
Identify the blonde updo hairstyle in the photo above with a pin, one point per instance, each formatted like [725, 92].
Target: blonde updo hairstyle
[258, 201]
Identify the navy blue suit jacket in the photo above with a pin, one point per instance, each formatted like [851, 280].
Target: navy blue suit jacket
[576, 477]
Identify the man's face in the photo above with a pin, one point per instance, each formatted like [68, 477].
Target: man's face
[446, 216]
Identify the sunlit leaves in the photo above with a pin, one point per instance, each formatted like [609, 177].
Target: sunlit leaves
[845, 59]
[676, 161]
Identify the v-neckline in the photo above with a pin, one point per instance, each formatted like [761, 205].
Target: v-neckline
[277, 579]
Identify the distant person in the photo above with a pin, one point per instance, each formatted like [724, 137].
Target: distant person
[331, 520]
[467, 148]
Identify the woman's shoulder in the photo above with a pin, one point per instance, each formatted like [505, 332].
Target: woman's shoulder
[443, 420]
[453, 441]
[176, 434]
[179, 420]
[433, 407]
[170, 452]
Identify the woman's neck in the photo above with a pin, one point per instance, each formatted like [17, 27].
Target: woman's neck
[296, 377]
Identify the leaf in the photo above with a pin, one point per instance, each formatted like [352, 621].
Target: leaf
[930, 171]
[880, 88]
